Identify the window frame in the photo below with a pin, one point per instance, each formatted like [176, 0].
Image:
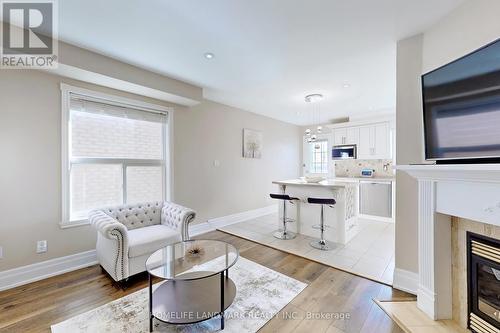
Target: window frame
[167, 161]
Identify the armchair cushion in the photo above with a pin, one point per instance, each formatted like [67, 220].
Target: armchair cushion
[136, 215]
[149, 239]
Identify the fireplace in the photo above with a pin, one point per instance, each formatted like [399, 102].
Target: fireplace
[483, 281]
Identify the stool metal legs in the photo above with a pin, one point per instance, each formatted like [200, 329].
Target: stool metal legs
[322, 243]
[284, 234]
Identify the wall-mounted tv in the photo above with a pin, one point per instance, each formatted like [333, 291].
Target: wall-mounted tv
[462, 109]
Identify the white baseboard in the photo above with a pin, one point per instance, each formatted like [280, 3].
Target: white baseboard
[405, 281]
[45, 269]
[376, 218]
[223, 221]
[200, 228]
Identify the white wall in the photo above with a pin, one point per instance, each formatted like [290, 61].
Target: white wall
[468, 27]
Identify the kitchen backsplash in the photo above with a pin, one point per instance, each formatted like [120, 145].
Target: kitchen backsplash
[352, 168]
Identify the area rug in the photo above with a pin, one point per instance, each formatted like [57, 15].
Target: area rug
[261, 294]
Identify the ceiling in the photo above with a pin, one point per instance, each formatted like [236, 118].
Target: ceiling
[269, 54]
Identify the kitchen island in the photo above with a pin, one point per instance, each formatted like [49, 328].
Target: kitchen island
[341, 220]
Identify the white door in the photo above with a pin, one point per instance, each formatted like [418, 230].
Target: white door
[316, 161]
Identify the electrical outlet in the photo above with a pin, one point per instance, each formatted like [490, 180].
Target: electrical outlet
[1, 252]
[41, 246]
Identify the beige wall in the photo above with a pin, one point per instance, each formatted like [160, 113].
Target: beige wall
[408, 148]
[470, 26]
[211, 131]
[30, 172]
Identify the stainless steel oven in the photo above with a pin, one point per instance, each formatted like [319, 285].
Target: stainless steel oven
[344, 152]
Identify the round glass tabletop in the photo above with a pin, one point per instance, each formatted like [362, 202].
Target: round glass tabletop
[192, 260]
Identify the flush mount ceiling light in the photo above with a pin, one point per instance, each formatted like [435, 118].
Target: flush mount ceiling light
[346, 85]
[313, 98]
[209, 55]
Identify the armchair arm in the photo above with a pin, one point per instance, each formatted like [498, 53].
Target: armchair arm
[177, 217]
[113, 230]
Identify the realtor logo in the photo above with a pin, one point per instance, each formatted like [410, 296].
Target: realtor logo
[29, 37]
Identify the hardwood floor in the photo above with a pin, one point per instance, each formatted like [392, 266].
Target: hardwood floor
[34, 307]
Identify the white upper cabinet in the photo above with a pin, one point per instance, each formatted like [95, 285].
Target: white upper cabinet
[352, 135]
[366, 138]
[374, 141]
[346, 136]
[339, 136]
[382, 141]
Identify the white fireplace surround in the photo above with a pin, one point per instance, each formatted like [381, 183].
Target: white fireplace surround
[469, 191]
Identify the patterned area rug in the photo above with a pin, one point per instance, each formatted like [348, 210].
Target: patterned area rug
[261, 294]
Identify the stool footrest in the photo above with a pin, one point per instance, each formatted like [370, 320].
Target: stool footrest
[318, 226]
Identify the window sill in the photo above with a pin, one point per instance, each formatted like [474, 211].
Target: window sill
[74, 223]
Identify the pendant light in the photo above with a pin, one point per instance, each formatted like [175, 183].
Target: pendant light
[314, 100]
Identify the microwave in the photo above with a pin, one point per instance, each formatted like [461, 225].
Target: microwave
[344, 152]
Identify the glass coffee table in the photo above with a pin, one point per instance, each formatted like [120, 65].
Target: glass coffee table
[197, 286]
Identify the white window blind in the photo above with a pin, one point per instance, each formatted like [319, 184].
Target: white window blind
[116, 155]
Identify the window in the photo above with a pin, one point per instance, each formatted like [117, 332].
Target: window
[318, 157]
[117, 153]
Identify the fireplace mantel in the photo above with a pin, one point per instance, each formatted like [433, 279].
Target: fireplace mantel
[470, 191]
[489, 173]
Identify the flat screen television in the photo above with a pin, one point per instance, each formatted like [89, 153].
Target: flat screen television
[461, 107]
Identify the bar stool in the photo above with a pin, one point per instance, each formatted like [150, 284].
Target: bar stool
[322, 243]
[284, 234]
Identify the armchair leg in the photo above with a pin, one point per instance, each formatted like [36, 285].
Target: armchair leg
[122, 284]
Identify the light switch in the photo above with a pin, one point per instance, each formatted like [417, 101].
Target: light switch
[216, 163]
[1, 252]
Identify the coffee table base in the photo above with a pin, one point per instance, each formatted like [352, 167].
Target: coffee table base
[186, 302]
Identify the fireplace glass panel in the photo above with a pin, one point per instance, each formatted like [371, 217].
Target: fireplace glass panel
[488, 283]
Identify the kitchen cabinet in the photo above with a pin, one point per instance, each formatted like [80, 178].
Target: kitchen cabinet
[375, 199]
[346, 136]
[382, 141]
[374, 141]
[365, 147]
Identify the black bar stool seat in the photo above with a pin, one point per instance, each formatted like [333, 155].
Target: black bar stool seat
[284, 233]
[322, 243]
[322, 201]
[282, 197]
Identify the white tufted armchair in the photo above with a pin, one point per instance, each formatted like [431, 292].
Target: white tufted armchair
[127, 235]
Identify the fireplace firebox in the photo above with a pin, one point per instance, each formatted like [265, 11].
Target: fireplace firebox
[483, 281]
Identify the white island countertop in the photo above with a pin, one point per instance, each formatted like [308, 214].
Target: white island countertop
[372, 179]
[327, 183]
